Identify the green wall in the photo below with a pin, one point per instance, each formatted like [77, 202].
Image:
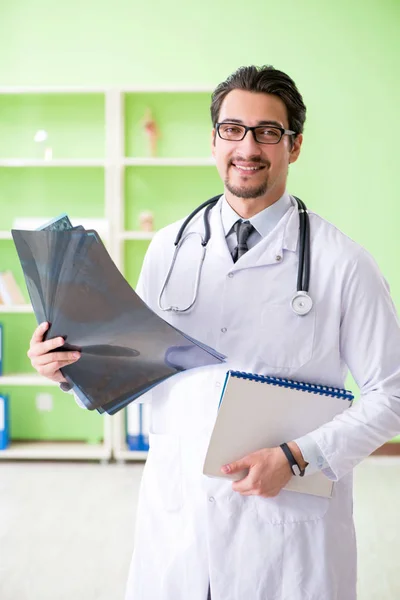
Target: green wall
[343, 54]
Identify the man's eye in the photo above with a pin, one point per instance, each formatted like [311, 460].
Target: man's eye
[269, 132]
[232, 130]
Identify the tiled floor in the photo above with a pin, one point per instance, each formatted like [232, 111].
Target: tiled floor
[66, 530]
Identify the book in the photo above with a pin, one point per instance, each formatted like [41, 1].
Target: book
[137, 426]
[258, 411]
[10, 292]
[4, 422]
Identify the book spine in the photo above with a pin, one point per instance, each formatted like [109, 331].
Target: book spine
[1, 349]
[297, 385]
[4, 423]
[137, 425]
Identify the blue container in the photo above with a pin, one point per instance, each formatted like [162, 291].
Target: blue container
[4, 422]
[137, 436]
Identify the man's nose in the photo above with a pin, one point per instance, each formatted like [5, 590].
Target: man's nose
[249, 145]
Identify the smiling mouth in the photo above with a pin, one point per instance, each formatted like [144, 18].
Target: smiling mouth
[248, 169]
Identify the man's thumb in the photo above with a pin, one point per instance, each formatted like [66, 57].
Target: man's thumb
[237, 465]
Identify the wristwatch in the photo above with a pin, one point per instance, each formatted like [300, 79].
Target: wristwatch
[294, 465]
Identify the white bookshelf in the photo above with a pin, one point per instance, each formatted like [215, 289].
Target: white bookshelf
[114, 164]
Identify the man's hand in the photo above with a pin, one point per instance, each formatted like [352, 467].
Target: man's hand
[269, 472]
[48, 363]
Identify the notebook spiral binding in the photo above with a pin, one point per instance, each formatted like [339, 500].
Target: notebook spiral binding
[312, 388]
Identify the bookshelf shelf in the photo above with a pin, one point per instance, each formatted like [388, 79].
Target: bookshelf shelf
[16, 308]
[168, 162]
[28, 162]
[25, 379]
[137, 235]
[41, 450]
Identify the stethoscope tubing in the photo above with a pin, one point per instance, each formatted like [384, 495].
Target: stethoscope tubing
[303, 274]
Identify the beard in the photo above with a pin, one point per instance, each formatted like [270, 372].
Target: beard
[243, 191]
[249, 191]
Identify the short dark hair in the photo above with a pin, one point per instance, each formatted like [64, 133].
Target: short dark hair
[265, 80]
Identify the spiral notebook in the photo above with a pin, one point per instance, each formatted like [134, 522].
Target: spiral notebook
[258, 411]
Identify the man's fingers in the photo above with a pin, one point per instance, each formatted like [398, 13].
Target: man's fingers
[52, 370]
[43, 347]
[244, 486]
[61, 357]
[39, 333]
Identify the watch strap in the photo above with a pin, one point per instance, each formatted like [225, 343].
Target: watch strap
[294, 465]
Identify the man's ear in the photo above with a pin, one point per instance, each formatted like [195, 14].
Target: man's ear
[213, 135]
[295, 151]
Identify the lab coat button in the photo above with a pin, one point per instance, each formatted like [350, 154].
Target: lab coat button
[230, 275]
[211, 499]
[278, 258]
[224, 330]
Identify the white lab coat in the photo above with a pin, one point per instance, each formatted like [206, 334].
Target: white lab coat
[191, 528]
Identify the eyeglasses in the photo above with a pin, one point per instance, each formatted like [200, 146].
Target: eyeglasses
[263, 134]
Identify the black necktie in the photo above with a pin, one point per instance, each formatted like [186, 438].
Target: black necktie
[243, 229]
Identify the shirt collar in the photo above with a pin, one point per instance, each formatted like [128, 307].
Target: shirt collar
[263, 222]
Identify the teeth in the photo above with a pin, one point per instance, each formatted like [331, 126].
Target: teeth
[247, 168]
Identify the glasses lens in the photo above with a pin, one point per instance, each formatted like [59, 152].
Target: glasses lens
[230, 131]
[268, 135]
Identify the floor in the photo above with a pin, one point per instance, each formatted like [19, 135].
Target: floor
[66, 530]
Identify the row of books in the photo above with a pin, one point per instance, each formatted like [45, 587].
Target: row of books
[10, 292]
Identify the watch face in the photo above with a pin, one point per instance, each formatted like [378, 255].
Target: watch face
[296, 470]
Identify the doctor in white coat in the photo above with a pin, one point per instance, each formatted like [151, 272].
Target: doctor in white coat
[199, 537]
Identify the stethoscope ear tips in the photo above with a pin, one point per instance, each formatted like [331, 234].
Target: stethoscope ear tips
[301, 303]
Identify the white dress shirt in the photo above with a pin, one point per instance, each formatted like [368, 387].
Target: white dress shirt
[264, 222]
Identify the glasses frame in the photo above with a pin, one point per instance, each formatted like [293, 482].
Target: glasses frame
[252, 129]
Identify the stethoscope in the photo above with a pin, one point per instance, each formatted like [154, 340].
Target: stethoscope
[301, 303]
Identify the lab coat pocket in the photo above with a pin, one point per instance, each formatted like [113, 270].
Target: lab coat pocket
[164, 470]
[286, 340]
[291, 507]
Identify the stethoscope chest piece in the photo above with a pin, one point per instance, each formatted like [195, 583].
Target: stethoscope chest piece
[301, 303]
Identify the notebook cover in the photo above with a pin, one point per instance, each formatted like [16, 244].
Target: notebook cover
[258, 412]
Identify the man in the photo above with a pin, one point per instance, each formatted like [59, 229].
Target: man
[252, 539]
